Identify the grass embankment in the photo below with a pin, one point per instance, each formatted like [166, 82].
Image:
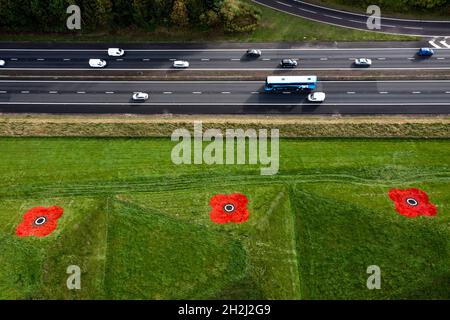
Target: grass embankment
[274, 26]
[139, 227]
[163, 126]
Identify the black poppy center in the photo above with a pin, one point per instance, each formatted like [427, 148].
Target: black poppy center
[229, 207]
[412, 202]
[40, 221]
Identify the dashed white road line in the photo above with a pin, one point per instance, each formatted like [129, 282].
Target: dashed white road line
[226, 92]
[383, 92]
[306, 10]
[145, 59]
[81, 92]
[416, 92]
[351, 92]
[167, 92]
[205, 59]
[284, 4]
[25, 91]
[196, 92]
[66, 59]
[334, 17]
[109, 92]
[3, 91]
[53, 92]
[40, 59]
[14, 59]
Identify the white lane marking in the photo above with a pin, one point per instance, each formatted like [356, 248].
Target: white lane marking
[255, 92]
[411, 58]
[266, 59]
[351, 92]
[381, 58]
[81, 92]
[109, 92]
[14, 59]
[324, 59]
[444, 43]
[119, 59]
[356, 21]
[228, 104]
[388, 26]
[3, 91]
[66, 59]
[146, 59]
[306, 10]
[383, 92]
[441, 58]
[40, 59]
[167, 92]
[413, 28]
[235, 59]
[205, 59]
[226, 92]
[53, 92]
[287, 92]
[196, 92]
[24, 91]
[416, 92]
[284, 4]
[334, 17]
[172, 59]
[448, 92]
[432, 43]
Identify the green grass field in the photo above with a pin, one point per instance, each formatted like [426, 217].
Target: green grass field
[274, 26]
[139, 227]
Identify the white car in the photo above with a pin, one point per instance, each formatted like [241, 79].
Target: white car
[97, 63]
[180, 64]
[140, 96]
[2, 63]
[363, 62]
[316, 97]
[115, 52]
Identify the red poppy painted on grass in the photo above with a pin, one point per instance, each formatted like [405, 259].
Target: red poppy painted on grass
[39, 221]
[412, 202]
[229, 208]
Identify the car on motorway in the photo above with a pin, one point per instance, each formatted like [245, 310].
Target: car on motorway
[140, 96]
[115, 52]
[97, 63]
[180, 64]
[253, 53]
[288, 63]
[425, 52]
[363, 62]
[2, 63]
[316, 97]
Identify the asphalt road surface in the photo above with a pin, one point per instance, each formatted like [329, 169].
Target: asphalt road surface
[223, 59]
[223, 97]
[359, 21]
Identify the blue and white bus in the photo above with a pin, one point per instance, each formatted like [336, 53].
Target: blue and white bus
[290, 83]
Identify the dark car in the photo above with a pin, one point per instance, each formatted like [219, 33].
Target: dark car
[253, 53]
[288, 63]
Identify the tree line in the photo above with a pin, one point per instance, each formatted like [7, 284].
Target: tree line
[109, 15]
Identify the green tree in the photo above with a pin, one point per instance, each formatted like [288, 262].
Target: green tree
[179, 15]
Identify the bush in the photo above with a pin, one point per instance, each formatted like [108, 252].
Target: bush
[239, 17]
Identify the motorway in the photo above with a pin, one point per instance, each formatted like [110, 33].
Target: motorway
[223, 97]
[223, 59]
[358, 21]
